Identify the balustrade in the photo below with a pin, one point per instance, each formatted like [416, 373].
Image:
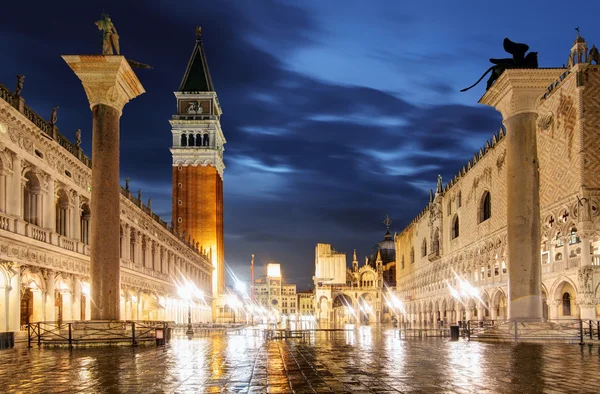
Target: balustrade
[37, 233]
[67, 243]
[6, 223]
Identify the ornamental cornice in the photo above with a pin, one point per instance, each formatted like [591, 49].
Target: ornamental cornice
[519, 91]
[107, 80]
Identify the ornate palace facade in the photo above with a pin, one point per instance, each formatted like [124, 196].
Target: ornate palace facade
[452, 257]
[44, 234]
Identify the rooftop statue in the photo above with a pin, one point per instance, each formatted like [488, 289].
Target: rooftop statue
[110, 37]
[519, 60]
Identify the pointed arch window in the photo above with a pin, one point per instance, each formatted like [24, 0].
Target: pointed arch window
[424, 248]
[458, 200]
[191, 140]
[412, 255]
[455, 227]
[485, 209]
[566, 304]
[183, 140]
[198, 140]
[435, 247]
[402, 261]
[205, 140]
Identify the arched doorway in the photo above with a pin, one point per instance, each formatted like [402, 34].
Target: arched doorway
[32, 305]
[26, 307]
[565, 296]
[343, 311]
[365, 309]
[500, 307]
[544, 305]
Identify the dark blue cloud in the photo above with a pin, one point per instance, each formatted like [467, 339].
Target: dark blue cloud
[335, 114]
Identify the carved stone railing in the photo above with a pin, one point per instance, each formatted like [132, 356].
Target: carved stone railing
[5, 94]
[434, 255]
[67, 243]
[6, 223]
[37, 233]
[38, 121]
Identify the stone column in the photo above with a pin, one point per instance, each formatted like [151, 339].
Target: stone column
[480, 313]
[67, 305]
[49, 304]
[76, 301]
[109, 83]
[76, 227]
[586, 257]
[516, 95]
[15, 207]
[14, 300]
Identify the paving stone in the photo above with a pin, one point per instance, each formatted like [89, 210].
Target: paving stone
[325, 364]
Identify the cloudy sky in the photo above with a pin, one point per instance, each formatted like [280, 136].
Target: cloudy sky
[336, 113]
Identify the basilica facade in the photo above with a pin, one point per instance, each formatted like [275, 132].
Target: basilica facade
[452, 259]
[45, 192]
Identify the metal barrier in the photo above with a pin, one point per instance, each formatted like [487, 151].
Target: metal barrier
[569, 330]
[95, 332]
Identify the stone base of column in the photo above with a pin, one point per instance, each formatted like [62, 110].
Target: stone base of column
[526, 308]
[530, 330]
[588, 312]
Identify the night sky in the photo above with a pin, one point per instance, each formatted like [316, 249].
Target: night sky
[336, 113]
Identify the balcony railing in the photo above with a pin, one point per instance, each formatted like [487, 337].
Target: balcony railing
[6, 223]
[67, 243]
[37, 233]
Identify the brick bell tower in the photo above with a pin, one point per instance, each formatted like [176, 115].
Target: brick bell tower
[198, 162]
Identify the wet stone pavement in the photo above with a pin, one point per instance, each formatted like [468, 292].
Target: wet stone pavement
[367, 360]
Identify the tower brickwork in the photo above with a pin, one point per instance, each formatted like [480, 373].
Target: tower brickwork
[198, 163]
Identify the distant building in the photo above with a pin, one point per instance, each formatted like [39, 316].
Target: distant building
[271, 293]
[306, 303]
[360, 293]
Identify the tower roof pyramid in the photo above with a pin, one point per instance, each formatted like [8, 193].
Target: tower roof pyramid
[197, 77]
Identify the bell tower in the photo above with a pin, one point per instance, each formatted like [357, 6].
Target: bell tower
[198, 162]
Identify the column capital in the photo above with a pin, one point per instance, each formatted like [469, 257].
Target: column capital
[107, 80]
[519, 90]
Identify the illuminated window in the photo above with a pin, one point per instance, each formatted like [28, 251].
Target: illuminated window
[455, 227]
[485, 210]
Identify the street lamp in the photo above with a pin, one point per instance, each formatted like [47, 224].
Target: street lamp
[187, 292]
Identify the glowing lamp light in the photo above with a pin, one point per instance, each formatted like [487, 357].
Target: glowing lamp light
[274, 270]
[240, 286]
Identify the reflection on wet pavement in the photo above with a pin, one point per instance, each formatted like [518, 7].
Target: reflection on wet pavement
[367, 360]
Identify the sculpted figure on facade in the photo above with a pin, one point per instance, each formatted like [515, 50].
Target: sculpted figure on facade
[19, 88]
[110, 38]
[519, 60]
[78, 138]
[54, 116]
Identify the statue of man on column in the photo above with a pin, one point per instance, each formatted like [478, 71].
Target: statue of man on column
[110, 37]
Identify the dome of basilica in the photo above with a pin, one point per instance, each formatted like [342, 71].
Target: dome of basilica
[386, 248]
